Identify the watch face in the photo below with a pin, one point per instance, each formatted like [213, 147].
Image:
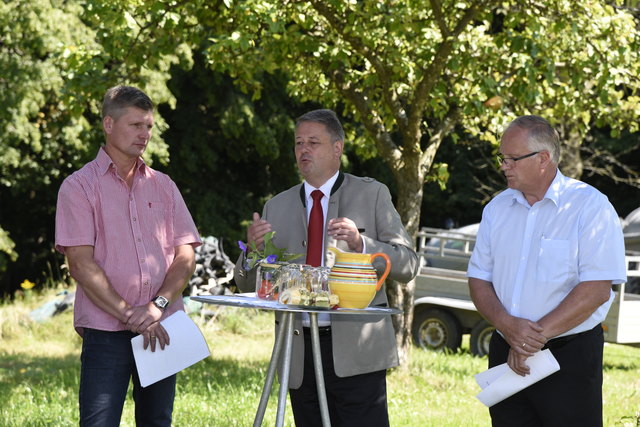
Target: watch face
[160, 301]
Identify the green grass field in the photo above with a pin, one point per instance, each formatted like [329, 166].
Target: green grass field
[39, 365]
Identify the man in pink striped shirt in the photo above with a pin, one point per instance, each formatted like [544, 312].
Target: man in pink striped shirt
[129, 241]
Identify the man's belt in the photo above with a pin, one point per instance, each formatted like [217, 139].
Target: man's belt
[560, 341]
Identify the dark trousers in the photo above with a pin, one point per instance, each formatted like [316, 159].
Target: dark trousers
[359, 400]
[570, 397]
[107, 366]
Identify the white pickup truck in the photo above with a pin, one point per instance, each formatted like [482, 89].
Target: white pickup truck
[443, 310]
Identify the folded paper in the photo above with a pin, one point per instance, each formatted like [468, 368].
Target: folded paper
[500, 382]
[187, 347]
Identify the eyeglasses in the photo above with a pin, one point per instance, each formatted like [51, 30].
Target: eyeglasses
[510, 161]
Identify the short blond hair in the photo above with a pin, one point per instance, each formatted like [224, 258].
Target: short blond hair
[120, 97]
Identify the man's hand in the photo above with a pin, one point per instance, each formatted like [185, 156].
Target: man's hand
[142, 317]
[524, 336]
[518, 363]
[155, 334]
[345, 229]
[257, 230]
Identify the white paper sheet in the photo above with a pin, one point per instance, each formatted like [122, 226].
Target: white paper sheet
[187, 347]
[500, 382]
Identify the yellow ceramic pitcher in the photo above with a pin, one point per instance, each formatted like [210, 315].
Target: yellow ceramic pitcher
[354, 279]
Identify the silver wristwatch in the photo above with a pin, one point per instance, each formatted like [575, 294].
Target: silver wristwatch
[160, 302]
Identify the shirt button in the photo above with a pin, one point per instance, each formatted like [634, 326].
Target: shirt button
[142, 260]
[134, 218]
[139, 240]
[146, 283]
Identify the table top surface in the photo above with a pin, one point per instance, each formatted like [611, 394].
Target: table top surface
[250, 301]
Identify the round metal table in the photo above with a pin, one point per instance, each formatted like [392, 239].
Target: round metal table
[285, 334]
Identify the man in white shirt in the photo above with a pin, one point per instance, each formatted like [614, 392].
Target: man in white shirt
[547, 252]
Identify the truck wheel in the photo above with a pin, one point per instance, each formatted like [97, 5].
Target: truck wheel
[480, 337]
[436, 329]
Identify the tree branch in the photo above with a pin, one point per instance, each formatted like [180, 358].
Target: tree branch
[382, 70]
[433, 71]
[606, 163]
[436, 8]
[153, 23]
[442, 130]
[371, 120]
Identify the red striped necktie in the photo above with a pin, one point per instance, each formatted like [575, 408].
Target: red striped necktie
[315, 230]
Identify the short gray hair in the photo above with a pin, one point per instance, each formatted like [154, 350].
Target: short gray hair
[541, 135]
[328, 118]
[118, 98]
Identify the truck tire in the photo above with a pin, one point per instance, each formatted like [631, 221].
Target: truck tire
[480, 337]
[436, 329]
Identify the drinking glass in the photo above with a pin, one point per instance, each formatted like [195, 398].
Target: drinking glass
[266, 280]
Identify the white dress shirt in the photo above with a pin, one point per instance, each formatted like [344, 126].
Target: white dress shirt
[535, 255]
[323, 319]
[326, 191]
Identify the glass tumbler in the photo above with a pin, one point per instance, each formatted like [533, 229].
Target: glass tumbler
[266, 279]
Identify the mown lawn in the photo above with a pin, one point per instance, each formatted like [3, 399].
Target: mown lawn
[39, 364]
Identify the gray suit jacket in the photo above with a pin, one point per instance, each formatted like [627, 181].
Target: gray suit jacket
[361, 344]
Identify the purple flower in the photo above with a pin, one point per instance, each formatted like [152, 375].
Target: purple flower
[271, 259]
[242, 246]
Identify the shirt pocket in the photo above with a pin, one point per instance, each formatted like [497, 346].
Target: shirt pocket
[160, 222]
[158, 206]
[553, 261]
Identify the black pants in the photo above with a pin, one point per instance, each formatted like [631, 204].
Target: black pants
[359, 400]
[570, 397]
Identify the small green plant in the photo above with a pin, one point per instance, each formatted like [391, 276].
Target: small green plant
[269, 254]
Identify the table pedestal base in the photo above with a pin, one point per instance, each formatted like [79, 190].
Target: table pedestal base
[279, 353]
[283, 345]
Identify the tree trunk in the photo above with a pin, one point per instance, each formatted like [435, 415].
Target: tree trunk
[401, 295]
[571, 160]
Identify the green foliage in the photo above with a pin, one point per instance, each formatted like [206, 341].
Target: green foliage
[40, 138]
[36, 127]
[439, 174]
[55, 70]
[228, 153]
[269, 254]
[411, 72]
[579, 72]
[7, 252]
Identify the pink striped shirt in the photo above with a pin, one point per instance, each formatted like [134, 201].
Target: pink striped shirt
[133, 232]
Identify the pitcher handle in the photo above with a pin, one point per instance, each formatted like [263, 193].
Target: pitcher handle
[386, 271]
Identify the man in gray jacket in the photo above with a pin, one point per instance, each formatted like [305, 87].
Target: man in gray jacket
[358, 216]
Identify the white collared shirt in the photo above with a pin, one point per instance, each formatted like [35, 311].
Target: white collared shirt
[326, 191]
[323, 319]
[535, 255]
